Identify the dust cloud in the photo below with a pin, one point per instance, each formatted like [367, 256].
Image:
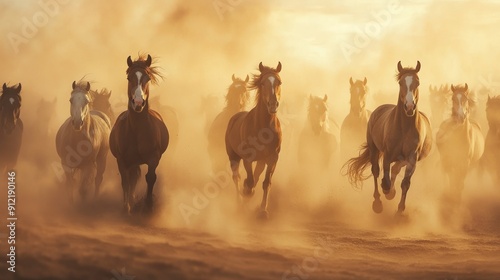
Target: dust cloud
[199, 45]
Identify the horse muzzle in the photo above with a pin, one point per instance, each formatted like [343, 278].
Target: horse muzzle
[78, 125]
[272, 107]
[410, 110]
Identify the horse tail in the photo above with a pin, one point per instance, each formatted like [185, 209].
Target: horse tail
[356, 166]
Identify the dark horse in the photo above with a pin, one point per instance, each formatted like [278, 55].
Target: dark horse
[11, 126]
[256, 135]
[236, 101]
[100, 102]
[139, 135]
[400, 134]
[490, 160]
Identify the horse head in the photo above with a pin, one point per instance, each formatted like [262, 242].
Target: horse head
[408, 88]
[80, 103]
[268, 85]
[237, 95]
[461, 102]
[358, 92]
[10, 107]
[318, 113]
[139, 75]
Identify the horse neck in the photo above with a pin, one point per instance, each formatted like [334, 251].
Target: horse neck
[263, 118]
[135, 116]
[232, 106]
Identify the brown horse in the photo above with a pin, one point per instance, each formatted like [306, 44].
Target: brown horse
[82, 142]
[353, 129]
[490, 160]
[100, 102]
[439, 100]
[236, 100]
[459, 140]
[256, 135]
[400, 134]
[11, 126]
[139, 135]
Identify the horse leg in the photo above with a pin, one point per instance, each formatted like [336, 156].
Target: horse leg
[248, 184]
[259, 168]
[101, 166]
[405, 184]
[151, 180]
[271, 165]
[235, 168]
[87, 174]
[374, 160]
[396, 168]
[386, 182]
[124, 174]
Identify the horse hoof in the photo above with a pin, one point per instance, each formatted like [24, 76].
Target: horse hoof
[391, 194]
[248, 192]
[377, 206]
[263, 215]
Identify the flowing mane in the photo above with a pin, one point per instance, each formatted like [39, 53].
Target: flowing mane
[152, 71]
[257, 80]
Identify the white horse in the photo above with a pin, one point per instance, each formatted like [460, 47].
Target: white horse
[82, 142]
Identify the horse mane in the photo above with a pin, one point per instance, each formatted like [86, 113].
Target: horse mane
[152, 71]
[257, 80]
[406, 70]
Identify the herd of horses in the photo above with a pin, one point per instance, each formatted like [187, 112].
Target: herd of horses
[396, 135]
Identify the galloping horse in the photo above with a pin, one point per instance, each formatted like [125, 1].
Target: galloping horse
[139, 135]
[353, 129]
[11, 126]
[459, 139]
[236, 101]
[438, 100]
[100, 102]
[82, 141]
[317, 144]
[400, 134]
[491, 156]
[256, 135]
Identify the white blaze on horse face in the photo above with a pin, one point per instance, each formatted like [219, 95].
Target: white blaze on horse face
[138, 93]
[272, 79]
[11, 100]
[409, 93]
[460, 112]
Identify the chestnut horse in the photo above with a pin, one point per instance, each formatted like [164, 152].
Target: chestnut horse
[400, 134]
[11, 127]
[255, 136]
[236, 100]
[490, 160]
[353, 129]
[459, 140]
[139, 135]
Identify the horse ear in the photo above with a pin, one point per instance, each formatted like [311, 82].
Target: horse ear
[234, 79]
[452, 87]
[365, 81]
[73, 85]
[418, 66]
[129, 61]
[466, 87]
[4, 87]
[278, 68]
[148, 61]
[325, 98]
[247, 79]
[18, 89]
[350, 81]
[261, 67]
[400, 68]
[88, 86]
